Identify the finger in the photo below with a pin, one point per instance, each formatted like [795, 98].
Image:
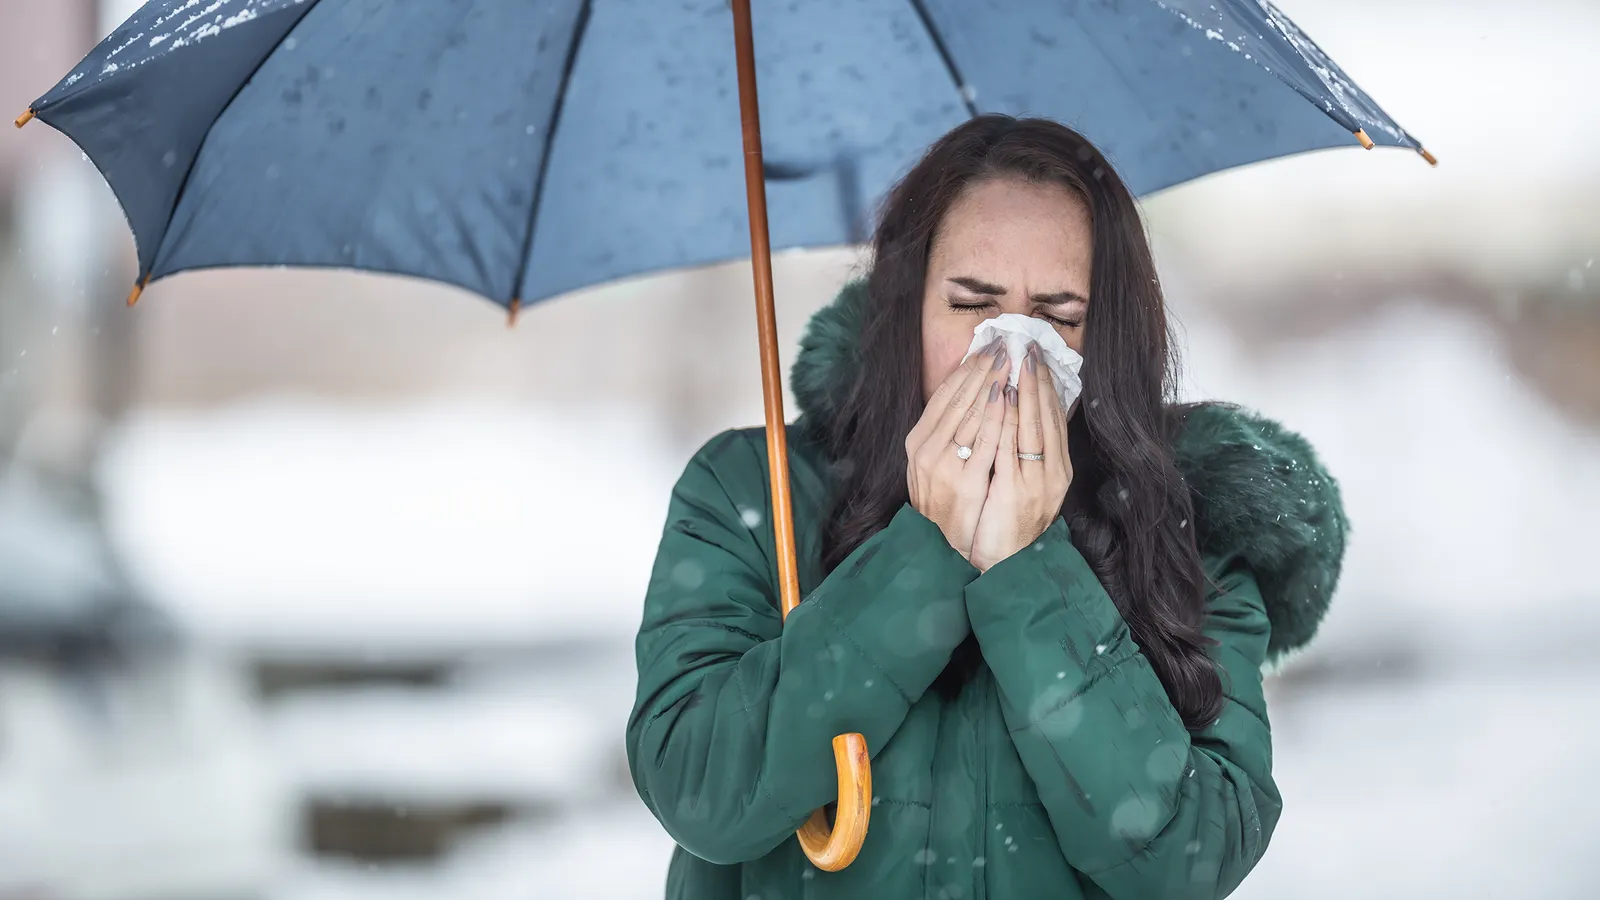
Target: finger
[941, 399]
[986, 443]
[1053, 419]
[959, 401]
[1006, 461]
[987, 396]
[1030, 430]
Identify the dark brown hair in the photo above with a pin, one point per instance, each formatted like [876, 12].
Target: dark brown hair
[1128, 510]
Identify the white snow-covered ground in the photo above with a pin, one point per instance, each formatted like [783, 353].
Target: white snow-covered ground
[457, 522]
[614, 851]
[1473, 785]
[548, 737]
[148, 778]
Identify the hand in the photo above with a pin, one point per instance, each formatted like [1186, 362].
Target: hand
[966, 411]
[1025, 496]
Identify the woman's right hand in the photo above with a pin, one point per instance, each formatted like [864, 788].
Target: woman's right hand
[966, 411]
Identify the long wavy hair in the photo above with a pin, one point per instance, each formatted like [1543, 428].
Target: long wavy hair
[1128, 509]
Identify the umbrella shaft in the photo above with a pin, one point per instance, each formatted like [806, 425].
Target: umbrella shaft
[766, 318]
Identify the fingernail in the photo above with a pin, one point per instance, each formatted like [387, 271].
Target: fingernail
[1033, 361]
[1011, 395]
[993, 347]
[994, 391]
[1000, 359]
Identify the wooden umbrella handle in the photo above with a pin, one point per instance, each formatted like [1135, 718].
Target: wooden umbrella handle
[832, 848]
[829, 849]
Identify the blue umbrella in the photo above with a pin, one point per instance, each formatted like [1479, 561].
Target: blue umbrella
[522, 150]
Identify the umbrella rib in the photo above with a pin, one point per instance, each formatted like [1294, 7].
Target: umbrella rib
[183, 186]
[578, 28]
[944, 54]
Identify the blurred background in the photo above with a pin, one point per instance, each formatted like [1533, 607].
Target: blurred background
[320, 585]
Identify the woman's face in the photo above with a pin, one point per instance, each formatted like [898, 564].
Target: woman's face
[1005, 246]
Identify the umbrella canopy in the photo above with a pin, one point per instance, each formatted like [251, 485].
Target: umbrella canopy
[523, 150]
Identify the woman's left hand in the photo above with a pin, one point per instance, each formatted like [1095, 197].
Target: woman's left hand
[1025, 495]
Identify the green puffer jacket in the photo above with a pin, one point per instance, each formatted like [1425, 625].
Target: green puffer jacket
[1060, 770]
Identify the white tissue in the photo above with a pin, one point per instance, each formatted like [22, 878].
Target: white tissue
[1018, 331]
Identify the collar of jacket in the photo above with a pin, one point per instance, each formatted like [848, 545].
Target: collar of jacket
[1259, 492]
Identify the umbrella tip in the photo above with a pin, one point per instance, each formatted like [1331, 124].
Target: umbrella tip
[1361, 135]
[25, 118]
[512, 310]
[1427, 156]
[138, 289]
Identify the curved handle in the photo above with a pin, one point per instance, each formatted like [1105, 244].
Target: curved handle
[829, 849]
[832, 849]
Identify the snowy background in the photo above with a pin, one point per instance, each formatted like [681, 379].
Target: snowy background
[320, 585]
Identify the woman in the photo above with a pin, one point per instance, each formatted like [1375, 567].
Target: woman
[1056, 661]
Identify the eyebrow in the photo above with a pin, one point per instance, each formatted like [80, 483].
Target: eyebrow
[978, 286]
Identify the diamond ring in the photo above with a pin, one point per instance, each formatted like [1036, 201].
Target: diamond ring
[963, 451]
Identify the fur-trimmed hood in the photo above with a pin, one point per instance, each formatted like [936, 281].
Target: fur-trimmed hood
[1259, 492]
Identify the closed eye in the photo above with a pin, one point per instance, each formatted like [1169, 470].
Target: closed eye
[970, 305]
[1064, 323]
[979, 306]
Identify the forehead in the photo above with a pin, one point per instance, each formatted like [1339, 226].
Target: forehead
[1009, 222]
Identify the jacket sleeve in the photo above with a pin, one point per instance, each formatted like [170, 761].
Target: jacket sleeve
[1140, 805]
[730, 740]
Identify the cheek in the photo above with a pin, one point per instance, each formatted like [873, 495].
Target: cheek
[942, 350]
